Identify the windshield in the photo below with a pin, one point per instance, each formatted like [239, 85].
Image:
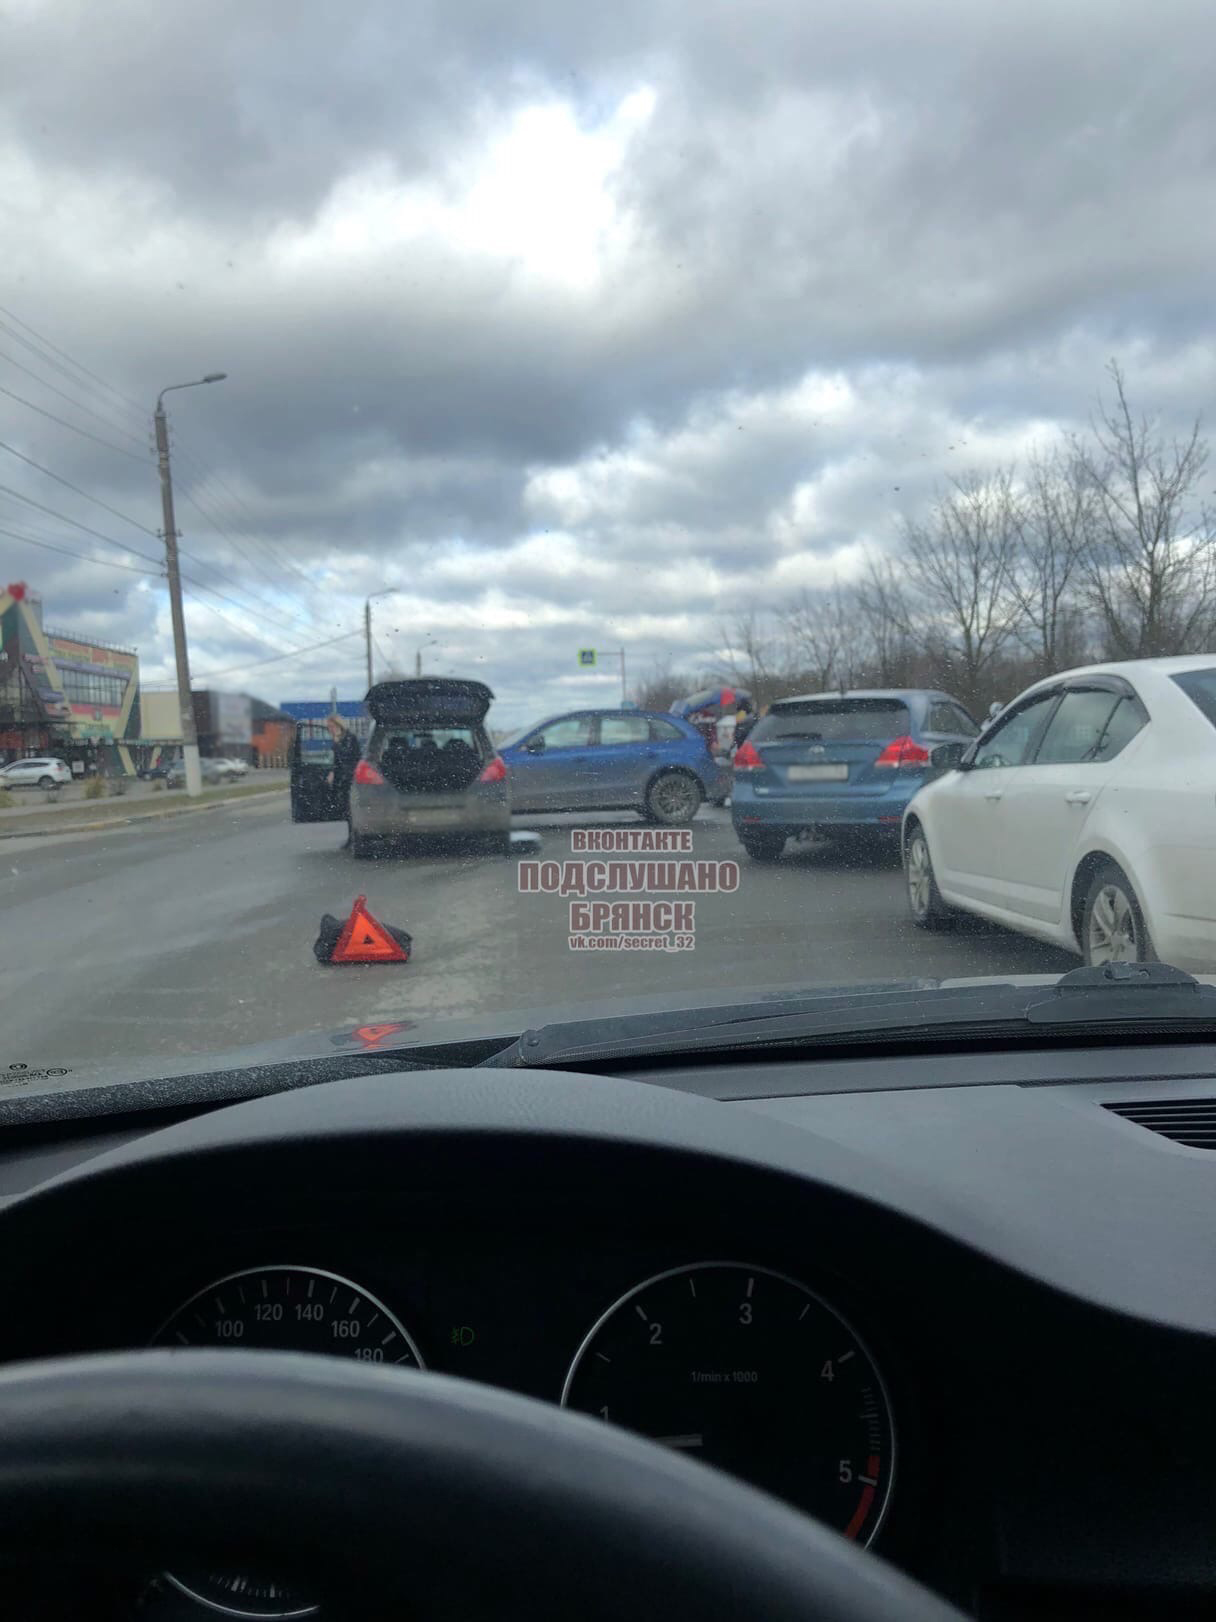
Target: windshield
[670, 506]
[854, 718]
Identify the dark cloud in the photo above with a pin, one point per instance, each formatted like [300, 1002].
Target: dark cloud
[832, 260]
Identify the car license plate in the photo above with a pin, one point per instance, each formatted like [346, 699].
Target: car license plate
[835, 771]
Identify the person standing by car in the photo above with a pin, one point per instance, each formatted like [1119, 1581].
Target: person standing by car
[347, 754]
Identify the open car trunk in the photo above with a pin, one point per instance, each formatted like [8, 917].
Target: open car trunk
[440, 700]
[422, 759]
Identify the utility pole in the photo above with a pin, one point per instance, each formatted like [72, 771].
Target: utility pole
[185, 701]
[367, 636]
[418, 663]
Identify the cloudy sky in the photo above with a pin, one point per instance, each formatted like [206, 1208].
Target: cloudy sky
[576, 325]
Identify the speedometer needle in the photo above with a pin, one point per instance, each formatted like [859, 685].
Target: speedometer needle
[689, 1439]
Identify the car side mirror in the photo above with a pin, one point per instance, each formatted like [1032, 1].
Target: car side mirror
[534, 746]
[947, 757]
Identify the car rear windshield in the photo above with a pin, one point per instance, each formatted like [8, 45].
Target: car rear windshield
[855, 720]
[428, 760]
[1200, 687]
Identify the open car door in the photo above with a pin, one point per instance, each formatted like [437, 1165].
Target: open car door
[313, 796]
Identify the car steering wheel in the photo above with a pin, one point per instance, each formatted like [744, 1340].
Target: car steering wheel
[404, 1495]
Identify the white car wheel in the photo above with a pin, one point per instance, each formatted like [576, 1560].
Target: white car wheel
[1112, 925]
[925, 903]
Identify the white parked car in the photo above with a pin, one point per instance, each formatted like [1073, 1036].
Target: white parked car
[1084, 815]
[43, 772]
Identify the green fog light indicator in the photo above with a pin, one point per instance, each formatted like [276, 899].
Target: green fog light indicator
[463, 1335]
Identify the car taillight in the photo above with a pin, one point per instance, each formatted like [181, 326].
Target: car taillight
[365, 772]
[903, 752]
[747, 759]
[495, 771]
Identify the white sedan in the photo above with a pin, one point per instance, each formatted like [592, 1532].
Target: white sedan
[1084, 815]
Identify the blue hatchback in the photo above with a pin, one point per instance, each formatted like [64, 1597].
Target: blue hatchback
[614, 760]
[838, 763]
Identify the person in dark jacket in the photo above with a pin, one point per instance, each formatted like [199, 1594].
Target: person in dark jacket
[347, 755]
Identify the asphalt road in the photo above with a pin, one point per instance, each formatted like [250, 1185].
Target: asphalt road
[195, 934]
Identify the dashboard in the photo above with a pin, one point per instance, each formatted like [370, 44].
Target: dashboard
[973, 1327]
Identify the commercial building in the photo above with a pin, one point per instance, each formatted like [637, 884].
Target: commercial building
[63, 693]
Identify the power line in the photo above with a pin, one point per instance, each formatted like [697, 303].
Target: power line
[243, 630]
[71, 399]
[43, 344]
[76, 524]
[281, 559]
[277, 657]
[83, 432]
[126, 517]
[241, 608]
[49, 546]
[274, 580]
[67, 483]
[137, 411]
[277, 556]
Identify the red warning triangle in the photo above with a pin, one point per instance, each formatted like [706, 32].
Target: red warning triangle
[363, 940]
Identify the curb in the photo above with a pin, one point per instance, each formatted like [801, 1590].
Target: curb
[139, 816]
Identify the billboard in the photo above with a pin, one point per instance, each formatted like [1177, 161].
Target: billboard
[232, 718]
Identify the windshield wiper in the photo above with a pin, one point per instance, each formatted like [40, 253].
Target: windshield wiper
[1119, 998]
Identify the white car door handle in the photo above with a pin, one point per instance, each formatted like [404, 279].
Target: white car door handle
[993, 793]
[1078, 796]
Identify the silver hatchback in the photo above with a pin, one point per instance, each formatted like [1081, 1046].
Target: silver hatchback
[430, 770]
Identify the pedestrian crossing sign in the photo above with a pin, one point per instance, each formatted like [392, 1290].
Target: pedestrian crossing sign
[586, 656]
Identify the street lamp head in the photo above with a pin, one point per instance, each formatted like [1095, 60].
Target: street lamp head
[215, 377]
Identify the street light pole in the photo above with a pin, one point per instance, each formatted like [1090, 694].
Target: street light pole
[389, 591]
[185, 703]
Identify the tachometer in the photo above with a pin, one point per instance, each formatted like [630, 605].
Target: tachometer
[297, 1309]
[750, 1371]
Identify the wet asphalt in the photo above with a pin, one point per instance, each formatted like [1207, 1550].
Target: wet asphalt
[195, 935]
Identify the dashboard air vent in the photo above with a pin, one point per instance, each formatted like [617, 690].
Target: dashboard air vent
[1183, 1120]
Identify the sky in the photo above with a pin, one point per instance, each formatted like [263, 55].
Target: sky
[563, 326]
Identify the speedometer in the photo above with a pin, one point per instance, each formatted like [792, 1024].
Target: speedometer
[750, 1371]
[290, 1309]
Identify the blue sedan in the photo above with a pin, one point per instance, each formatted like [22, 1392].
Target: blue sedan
[615, 760]
[838, 764]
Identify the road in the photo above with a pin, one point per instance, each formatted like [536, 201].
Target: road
[195, 934]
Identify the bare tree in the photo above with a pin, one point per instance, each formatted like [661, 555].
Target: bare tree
[660, 685]
[959, 566]
[754, 656]
[821, 629]
[887, 623]
[1150, 562]
[1054, 517]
